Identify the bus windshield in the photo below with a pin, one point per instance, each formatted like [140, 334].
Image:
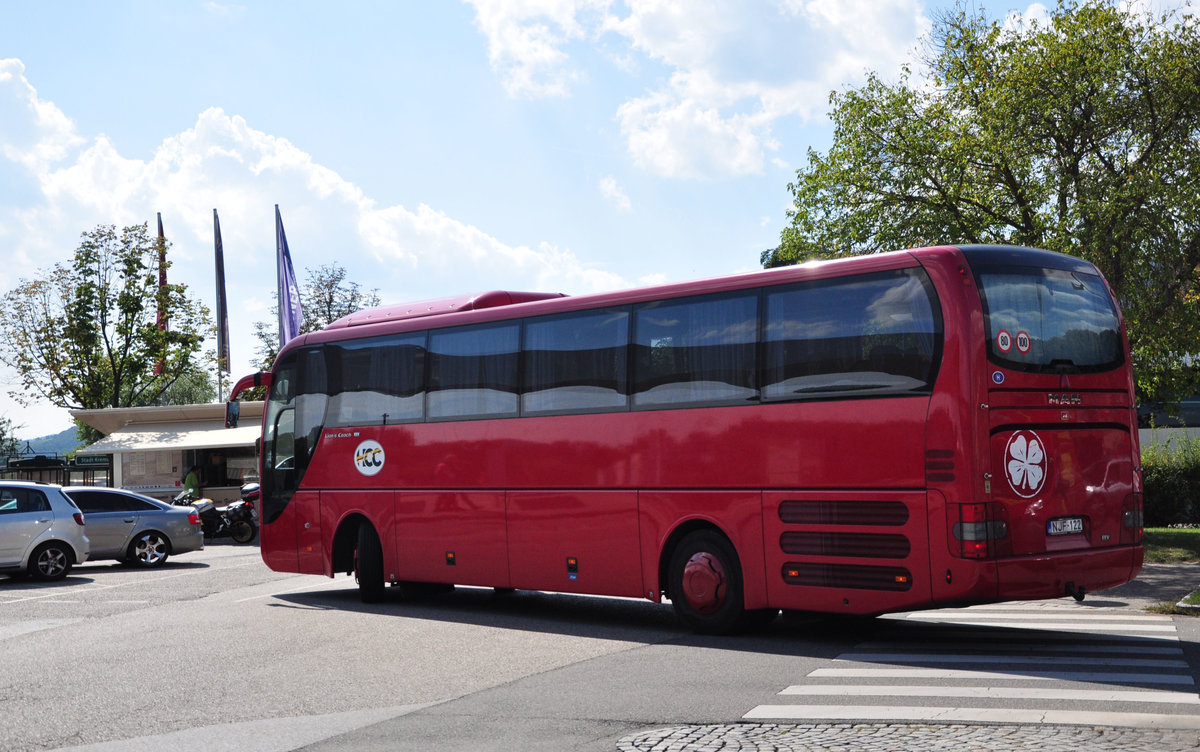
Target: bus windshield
[1043, 320]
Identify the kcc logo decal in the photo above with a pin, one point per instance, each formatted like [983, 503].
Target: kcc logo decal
[368, 457]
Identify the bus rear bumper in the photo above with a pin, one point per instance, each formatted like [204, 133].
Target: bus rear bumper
[1055, 575]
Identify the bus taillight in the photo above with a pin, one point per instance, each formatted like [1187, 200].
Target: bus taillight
[977, 531]
[1131, 519]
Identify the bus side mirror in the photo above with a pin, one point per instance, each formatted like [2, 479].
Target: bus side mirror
[232, 410]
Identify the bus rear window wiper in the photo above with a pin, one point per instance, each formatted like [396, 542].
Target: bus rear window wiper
[1063, 365]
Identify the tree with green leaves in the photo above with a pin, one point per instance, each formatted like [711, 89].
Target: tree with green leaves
[86, 335]
[8, 437]
[326, 297]
[1079, 135]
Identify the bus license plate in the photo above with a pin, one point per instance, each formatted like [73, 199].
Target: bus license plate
[1065, 526]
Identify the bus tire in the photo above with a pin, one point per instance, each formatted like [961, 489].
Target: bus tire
[368, 565]
[705, 584]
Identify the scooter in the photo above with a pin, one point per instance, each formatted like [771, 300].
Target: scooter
[235, 520]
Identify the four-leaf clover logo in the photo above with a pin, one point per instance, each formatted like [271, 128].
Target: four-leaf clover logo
[1025, 463]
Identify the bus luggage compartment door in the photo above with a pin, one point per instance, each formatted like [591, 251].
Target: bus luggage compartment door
[575, 541]
[855, 552]
[1061, 487]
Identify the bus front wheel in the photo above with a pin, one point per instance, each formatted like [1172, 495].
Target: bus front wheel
[705, 583]
[368, 565]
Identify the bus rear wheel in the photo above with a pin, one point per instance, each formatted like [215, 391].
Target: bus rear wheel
[705, 584]
[368, 565]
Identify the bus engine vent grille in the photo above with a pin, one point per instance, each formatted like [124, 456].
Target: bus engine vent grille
[850, 576]
[864, 545]
[873, 513]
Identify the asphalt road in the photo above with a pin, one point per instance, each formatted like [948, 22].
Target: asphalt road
[216, 652]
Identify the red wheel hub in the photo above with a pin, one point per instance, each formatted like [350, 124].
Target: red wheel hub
[704, 583]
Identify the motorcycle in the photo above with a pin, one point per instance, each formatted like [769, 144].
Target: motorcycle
[237, 520]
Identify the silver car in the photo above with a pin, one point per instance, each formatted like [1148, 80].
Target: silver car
[136, 529]
[42, 531]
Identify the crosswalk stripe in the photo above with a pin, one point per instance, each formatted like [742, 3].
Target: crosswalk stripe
[1130, 661]
[1006, 659]
[1157, 696]
[949, 673]
[971, 715]
[1129, 629]
[961, 616]
[1123, 648]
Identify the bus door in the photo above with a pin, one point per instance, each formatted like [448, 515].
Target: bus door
[310, 554]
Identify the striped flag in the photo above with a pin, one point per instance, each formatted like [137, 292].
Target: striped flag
[222, 308]
[159, 367]
[291, 317]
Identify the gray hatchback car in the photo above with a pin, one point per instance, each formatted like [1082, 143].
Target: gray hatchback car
[42, 531]
[136, 529]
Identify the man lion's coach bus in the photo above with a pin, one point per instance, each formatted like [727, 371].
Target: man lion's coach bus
[932, 427]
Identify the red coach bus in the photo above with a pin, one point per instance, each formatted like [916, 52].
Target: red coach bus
[947, 425]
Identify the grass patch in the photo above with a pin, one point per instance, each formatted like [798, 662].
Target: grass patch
[1172, 545]
[1172, 609]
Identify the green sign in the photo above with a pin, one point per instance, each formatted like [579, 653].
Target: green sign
[93, 459]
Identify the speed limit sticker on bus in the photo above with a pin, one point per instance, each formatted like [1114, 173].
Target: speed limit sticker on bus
[1004, 340]
[1024, 342]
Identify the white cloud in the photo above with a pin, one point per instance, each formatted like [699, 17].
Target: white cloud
[733, 70]
[739, 69]
[35, 132]
[614, 193]
[526, 40]
[69, 184]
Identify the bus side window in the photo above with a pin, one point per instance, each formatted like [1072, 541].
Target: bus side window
[377, 381]
[696, 351]
[310, 404]
[576, 363]
[852, 337]
[473, 372]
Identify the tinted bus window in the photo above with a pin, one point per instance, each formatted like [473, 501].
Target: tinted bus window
[1049, 320]
[473, 372]
[279, 476]
[310, 405]
[376, 381]
[696, 350]
[576, 362]
[852, 337]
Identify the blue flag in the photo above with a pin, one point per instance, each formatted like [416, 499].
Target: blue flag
[291, 317]
[222, 308]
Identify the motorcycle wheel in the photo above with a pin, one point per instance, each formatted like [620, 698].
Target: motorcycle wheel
[243, 531]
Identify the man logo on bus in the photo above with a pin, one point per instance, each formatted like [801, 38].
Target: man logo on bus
[368, 457]
[1025, 463]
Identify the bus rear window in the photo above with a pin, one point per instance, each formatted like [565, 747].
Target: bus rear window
[1042, 320]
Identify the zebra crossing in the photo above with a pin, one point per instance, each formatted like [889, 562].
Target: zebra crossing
[1030, 663]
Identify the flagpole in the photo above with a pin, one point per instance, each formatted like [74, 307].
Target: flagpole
[279, 271]
[159, 366]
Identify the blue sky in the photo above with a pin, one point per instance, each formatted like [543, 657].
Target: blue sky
[429, 148]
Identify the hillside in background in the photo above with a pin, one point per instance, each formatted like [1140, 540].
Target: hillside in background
[60, 443]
